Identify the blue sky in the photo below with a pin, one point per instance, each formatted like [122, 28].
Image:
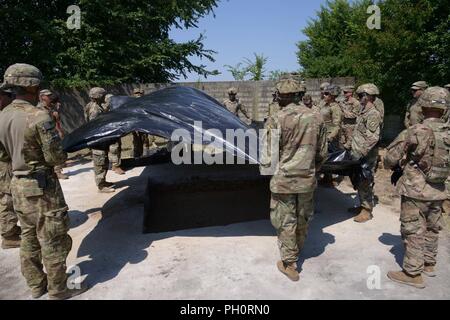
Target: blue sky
[242, 27]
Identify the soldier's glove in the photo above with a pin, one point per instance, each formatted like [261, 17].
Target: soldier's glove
[396, 175]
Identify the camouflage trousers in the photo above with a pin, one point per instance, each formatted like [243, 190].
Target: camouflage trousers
[421, 222]
[345, 136]
[290, 215]
[42, 212]
[101, 166]
[365, 186]
[115, 151]
[8, 217]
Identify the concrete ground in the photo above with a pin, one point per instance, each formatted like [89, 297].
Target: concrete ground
[229, 262]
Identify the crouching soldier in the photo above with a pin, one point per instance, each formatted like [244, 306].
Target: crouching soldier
[302, 149]
[422, 152]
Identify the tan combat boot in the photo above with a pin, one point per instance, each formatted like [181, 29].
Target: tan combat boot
[61, 176]
[289, 270]
[11, 242]
[404, 278]
[118, 170]
[429, 271]
[68, 294]
[39, 292]
[105, 189]
[364, 216]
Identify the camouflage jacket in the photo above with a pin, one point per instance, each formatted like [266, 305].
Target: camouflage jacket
[350, 111]
[412, 151]
[28, 136]
[414, 114]
[5, 170]
[379, 105]
[367, 131]
[302, 149]
[332, 117]
[92, 111]
[236, 108]
[274, 107]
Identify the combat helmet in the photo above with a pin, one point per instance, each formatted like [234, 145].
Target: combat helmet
[232, 91]
[435, 97]
[324, 86]
[420, 85]
[21, 75]
[289, 86]
[97, 93]
[333, 90]
[368, 88]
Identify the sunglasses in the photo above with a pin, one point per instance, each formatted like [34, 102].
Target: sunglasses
[326, 94]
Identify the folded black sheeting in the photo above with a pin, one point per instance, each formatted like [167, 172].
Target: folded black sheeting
[159, 114]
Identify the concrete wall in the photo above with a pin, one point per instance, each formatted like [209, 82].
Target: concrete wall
[256, 95]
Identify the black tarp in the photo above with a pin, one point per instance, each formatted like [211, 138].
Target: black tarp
[159, 114]
[162, 112]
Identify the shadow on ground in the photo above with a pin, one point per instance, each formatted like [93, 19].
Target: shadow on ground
[117, 239]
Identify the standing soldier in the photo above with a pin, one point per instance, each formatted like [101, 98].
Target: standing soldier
[332, 117]
[115, 149]
[235, 107]
[364, 147]
[99, 157]
[302, 148]
[422, 152]
[9, 230]
[141, 141]
[28, 136]
[350, 110]
[49, 102]
[274, 107]
[413, 110]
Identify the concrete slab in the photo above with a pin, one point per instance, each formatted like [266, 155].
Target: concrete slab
[230, 262]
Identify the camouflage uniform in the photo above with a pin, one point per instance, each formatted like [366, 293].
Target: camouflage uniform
[237, 108]
[379, 105]
[8, 217]
[115, 149]
[331, 115]
[99, 157]
[350, 111]
[414, 151]
[302, 149]
[37, 195]
[364, 146]
[414, 114]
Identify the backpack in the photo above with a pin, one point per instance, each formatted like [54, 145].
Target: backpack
[440, 166]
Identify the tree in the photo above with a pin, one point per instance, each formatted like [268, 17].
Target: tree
[119, 41]
[237, 71]
[413, 44]
[256, 68]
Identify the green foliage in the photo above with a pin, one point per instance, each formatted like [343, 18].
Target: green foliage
[256, 67]
[119, 41]
[238, 72]
[413, 44]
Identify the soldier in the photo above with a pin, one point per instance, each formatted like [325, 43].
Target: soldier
[364, 147]
[49, 102]
[302, 149]
[115, 149]
[422, 152]
[378, 103]
[350, 110]
[28, 136]
[137, 93]
[413, 111]
[274, 107]
[332, 117]
[99, 157]
[235, 107]
[9, 230]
